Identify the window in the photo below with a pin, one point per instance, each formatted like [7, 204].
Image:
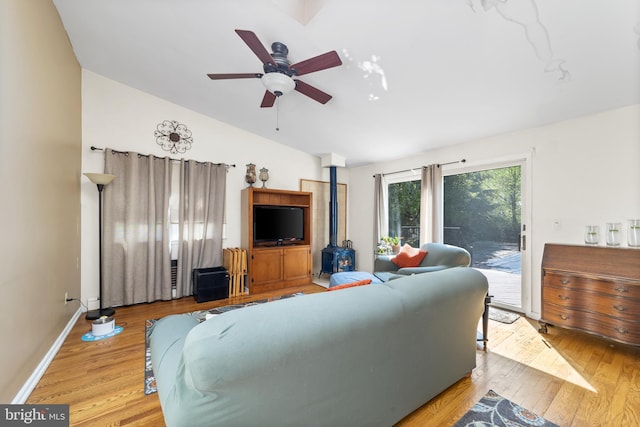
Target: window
[174, 215]
[483, 212]
[404, 210]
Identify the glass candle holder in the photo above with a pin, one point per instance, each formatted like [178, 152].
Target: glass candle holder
[591, 234]
[614, 231]
[633, 236]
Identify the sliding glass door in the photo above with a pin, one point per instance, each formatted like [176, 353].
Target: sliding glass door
[483, 212]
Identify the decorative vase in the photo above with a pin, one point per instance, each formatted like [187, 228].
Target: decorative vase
[613, 233]
[633, 236]
[591, 234]
[250, 175]
[264, 176]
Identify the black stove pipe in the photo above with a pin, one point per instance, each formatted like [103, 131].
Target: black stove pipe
[333, 207]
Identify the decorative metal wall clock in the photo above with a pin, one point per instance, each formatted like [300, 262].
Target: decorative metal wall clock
[173, 136]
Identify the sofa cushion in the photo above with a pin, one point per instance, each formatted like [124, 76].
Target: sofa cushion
[409, 256]
[343, 277]
[350, 285]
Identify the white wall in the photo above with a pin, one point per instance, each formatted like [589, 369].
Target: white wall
[120, 117]
[583, 171]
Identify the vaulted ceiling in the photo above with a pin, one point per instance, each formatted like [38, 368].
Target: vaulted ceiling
[415, 75]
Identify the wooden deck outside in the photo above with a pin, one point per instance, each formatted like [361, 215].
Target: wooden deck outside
[505, 287]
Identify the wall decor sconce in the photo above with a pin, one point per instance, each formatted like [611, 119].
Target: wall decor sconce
[173, 136]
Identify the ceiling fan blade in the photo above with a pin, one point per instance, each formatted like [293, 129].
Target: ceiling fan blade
[317, 63]
[235, 76]
[312, 92]
[256, 46]
[268, 100]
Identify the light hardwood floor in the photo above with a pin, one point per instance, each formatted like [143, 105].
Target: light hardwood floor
[572, 379]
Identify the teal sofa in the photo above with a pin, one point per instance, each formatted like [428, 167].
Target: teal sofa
[440, 256]
[362, 356]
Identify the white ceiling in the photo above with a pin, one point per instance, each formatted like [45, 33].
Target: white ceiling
[416, 74]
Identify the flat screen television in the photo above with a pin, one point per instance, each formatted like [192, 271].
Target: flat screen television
[278, 224]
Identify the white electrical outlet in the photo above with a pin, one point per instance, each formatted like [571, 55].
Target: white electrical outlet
[66, 296]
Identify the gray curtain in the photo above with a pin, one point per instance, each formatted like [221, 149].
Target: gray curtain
[201, 220]
[380, 209]
[431, 205]
[136, 258]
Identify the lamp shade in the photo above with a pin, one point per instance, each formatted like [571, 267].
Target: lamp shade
[278, 83]
[100, 178]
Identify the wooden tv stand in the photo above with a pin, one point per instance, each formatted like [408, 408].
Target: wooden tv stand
[272, 266]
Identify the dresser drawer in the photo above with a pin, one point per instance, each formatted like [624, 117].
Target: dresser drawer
[618, 329]
[626, 289]
[598, 303]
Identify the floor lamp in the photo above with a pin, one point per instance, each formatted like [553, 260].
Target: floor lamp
[100, 179]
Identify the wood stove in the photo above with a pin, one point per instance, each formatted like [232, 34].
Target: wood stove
[334, 258]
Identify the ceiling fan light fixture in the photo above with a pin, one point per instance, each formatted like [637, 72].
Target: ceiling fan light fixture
[278, 83]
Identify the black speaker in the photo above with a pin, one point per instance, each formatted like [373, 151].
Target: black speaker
[210, 284]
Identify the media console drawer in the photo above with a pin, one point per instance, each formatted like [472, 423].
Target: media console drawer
[592, 289]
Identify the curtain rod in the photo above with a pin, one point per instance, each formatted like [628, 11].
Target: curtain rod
[94, 148]
[410, 170]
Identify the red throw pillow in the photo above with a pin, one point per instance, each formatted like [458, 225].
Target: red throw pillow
[409, 257]
[350, 285]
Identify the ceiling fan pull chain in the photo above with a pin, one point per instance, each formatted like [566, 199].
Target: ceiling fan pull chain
[277, 113]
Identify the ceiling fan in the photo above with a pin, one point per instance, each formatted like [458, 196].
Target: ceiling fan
[279, 73]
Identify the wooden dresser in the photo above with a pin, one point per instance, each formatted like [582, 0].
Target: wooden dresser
[594, 289]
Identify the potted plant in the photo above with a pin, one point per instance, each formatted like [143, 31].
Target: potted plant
[392, 242]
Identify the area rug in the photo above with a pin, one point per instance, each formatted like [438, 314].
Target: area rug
[201, 315]
[502, 316]
[495, 410]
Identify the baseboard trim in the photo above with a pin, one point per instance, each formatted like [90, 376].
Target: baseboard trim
[32, 382]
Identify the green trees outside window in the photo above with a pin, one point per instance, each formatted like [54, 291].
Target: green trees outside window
[483, 206]
[404, 211]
